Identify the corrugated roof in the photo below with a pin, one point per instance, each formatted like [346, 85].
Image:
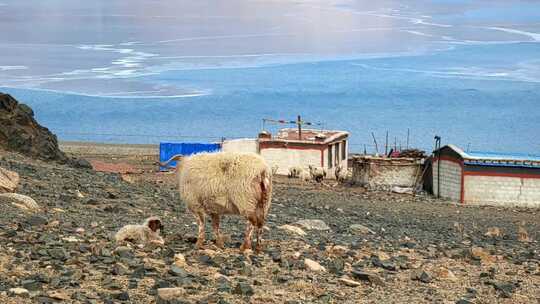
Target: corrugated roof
[498, 159]
[502, 156]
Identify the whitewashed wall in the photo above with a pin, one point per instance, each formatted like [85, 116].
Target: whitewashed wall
[286, 158]
[241, 145]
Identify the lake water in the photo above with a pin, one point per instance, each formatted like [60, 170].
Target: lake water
[147, 71]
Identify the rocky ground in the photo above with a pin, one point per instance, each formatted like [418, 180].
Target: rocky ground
[363, 247]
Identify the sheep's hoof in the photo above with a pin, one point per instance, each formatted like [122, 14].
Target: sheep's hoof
[244, 247]
[199, 245]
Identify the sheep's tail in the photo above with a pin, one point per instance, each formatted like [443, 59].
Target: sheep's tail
[263, 205]
[175, 157]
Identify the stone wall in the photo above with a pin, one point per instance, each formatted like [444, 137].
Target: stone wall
[385, 173]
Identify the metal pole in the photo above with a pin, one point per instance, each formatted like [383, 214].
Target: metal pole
[299, 122]
[438, 149]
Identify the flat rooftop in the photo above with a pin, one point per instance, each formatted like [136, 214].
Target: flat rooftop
[311, 136]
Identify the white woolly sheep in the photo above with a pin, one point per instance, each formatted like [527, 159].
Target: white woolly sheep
[221, 183]
[305, 175]
[146, 233]
[341, 174]
[317, 173]
[294, 172]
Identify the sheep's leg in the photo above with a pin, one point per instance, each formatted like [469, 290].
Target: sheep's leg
[259, 232]
[215, 226]
[247, 237]
[201, 235]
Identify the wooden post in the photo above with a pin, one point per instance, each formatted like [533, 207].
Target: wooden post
[386, 144]
[375, 141]
[408, 131]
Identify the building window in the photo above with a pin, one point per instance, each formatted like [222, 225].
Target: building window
[343, 150]
[330, 158]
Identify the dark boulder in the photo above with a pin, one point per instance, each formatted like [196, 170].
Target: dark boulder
[20, 132]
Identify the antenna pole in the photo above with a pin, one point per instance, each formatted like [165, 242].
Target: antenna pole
[299, 122]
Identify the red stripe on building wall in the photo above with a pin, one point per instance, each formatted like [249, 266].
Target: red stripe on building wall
[275, 145]
[502, 174]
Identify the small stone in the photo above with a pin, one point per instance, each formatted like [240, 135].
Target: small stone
[79, 194]
[243, 289]
[20, 292]
[313, 225]
[80, 230]
[58, 295]
[36, 220]
[223, 285]
[124, 252]
[336, 266]
[31, 285]
[422, 276]
[9, 180]
[506, 289]
[122, 296]
[178, 271]
[206, 260]
[338, 250]
[349, 282]
[366, 276]
[169, 295]
[443, 273]
[179, 260]
[313, 266]
[360, 229]
[58, 254]
[293, 229]
[376, 261]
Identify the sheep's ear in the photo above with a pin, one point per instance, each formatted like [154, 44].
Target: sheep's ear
[154, 225]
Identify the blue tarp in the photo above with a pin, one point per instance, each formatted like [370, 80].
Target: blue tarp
[168, 150]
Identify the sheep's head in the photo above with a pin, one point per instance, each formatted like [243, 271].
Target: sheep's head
[154, 223]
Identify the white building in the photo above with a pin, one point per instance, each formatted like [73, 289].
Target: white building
[486, 178]
[327, 149]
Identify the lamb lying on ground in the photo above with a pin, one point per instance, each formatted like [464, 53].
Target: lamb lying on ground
[146, 233]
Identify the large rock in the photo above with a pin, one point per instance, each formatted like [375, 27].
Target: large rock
[21, 201]
[20, 132]
[9, 180]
